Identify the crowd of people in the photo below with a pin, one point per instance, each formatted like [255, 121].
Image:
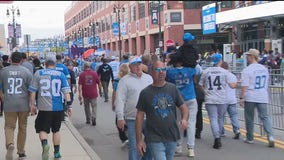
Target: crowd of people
[156, 102]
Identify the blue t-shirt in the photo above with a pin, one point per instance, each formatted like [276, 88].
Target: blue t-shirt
[183, 79]
[93, 66]
[115, 84]
[62, 68]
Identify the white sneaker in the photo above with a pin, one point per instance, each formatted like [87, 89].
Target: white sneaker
[10, 150]
[190, 152]
[179, 149]
[124, 144]
[248, 141]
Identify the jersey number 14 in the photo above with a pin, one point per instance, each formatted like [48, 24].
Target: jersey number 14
[216, 83]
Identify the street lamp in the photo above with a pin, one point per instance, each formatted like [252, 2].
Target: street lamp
[14, 38]
[117, 9]
[93, 26]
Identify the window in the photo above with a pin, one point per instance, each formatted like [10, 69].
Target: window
[125, 15]
[108, 23]
[103, 25]
[141, 5]
[133, 13]
[197, 4]
[226, 4]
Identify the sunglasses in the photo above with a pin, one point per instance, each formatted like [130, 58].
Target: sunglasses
[160, 69]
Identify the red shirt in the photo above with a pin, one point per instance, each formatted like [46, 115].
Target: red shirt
[89, 80]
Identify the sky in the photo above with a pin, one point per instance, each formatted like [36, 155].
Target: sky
[40, 19]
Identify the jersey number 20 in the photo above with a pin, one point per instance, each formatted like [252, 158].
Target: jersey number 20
[46, 84]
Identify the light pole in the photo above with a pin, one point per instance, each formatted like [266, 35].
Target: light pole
[14, 38]
[117, 9]
[93, 26]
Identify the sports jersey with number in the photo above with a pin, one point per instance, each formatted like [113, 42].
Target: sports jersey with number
[14, 83]
[230, 92]
[183, 79]
[62, 68]
[49, 83]
[214, 81]
[255, 77]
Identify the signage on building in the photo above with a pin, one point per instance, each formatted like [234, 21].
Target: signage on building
[154, 16]
[175, 16]
[209, 18]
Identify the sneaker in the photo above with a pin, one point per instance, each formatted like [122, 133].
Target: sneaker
[179, 149]
[217, 143]
[22, 156]
[271, 143]
[198, 136]
[57, 155]
[45, 152]
[94, 123]
[190, 152]
[248, 141]
[10, 150]
[88, 122]
[125, 143]
[237, 136]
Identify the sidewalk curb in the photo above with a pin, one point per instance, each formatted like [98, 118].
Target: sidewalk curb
[93, 155]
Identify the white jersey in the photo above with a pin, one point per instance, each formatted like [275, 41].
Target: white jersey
[255, 77]
[231, 93]
[214, 81]
[115, 68]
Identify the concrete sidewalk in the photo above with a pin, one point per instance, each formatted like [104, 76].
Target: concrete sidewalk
[73, 146]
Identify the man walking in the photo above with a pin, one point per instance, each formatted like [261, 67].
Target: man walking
[159, 101]
[213, 82]
[88, 82]
[14, 82]
[49, 83]
[105, 73]
[254, 82]
[128, 90]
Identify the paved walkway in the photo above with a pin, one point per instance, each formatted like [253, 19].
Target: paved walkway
[73, 146]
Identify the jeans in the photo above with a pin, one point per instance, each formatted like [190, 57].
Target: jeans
[216, 113]
[232, 111]
[90, 115]
[105, 89]
[163, 150]
[192, 110]
[10, 125]
[132, 150]
[263, 115]
[122, 133]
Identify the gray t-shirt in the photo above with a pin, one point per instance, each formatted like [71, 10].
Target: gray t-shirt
[14, 83]
[29, 66]
[159, 104]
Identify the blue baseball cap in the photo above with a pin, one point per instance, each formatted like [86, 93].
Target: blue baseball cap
[216, 58]
[135, 60]
[187, 37]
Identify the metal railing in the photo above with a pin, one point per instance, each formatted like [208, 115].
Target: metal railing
[276, 97]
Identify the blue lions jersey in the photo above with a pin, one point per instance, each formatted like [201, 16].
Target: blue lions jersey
[183, 79]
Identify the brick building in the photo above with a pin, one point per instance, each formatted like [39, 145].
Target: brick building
[177, 17]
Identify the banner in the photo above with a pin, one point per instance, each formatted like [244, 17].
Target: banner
[209, 18]
[98, 41]
[123, 28]
[115, 28]
[18, 31]
[154, 14]
[91, 40]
